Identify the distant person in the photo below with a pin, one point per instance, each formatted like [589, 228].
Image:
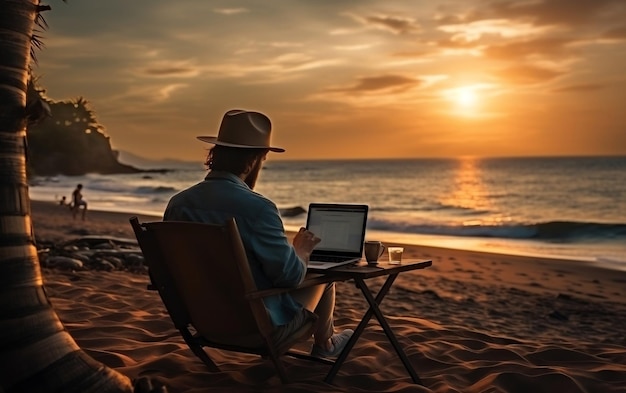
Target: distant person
[78, 202]
[234, 164]
[63, 201]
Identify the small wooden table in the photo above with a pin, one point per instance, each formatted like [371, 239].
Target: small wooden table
[359, 273]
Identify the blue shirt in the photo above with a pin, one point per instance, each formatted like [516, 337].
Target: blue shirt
[273, 260]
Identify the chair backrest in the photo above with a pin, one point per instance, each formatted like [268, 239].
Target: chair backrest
[203, 277]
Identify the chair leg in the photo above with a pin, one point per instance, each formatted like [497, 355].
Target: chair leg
[199, 352]
[280, 369]
[197, 349]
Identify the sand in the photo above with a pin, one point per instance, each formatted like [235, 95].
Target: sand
[473, 322]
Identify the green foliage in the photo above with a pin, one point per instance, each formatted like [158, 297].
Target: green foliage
[70, 141]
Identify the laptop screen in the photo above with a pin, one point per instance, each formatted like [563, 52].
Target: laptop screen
[340, 226]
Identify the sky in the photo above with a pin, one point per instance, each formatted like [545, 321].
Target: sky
[347, 78]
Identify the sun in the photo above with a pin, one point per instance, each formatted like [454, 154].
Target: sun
[466, 100]
[466, 97]
[470, 100]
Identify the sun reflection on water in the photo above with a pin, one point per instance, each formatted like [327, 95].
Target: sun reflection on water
[470, 193]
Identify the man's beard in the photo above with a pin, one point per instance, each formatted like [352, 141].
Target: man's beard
[254, 175]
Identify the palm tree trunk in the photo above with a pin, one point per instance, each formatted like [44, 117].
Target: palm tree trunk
[37, 353]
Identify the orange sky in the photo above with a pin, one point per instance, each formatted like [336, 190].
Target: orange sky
[348, 78]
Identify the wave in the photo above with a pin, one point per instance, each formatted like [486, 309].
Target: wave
[155, 190]
[554, 231]
[425, 206]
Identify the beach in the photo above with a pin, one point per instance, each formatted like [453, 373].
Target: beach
[472, 322]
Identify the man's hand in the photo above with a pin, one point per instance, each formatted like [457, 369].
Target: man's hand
[304, 242]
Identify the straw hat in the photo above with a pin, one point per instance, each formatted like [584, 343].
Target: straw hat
[245, 129]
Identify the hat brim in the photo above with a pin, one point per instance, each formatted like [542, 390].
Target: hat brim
[213, 140]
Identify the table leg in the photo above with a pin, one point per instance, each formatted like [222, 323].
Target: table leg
[355, 336]
[373, 309]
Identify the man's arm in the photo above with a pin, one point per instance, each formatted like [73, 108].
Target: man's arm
[271, 248]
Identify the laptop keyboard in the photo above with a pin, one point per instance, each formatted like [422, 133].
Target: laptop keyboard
[328, 258]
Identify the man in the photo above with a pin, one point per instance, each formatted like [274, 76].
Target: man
[78, 202]
[234, 163]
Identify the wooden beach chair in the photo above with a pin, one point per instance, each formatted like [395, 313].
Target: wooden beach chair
[202, 275]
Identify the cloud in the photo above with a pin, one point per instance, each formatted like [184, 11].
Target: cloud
[530, 34]
[412, 53]
[393, 24]
[504, 28]
[528, 74]
[579, 88]
[281, 67]
[564, 12]
[430, 80]
[395, 83]
[285, 44]
[166, 91]
[616, 33]
[295, 62]
[354, 47]
[144, 97]
[548, 46]
[177, 71]
[506, 40]
[230, 11]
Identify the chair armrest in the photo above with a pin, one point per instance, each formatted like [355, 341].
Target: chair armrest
[310, 280]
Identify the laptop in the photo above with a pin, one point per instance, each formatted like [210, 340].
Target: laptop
[342, 230]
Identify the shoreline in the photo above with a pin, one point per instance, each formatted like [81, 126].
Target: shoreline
[102, 219]
[608, 256]
[54, 223]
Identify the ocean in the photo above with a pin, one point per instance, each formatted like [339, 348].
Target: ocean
[553, 207]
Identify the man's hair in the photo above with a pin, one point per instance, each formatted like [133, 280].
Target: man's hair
[232, 159]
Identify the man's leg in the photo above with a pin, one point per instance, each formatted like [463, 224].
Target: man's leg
[319, 299]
